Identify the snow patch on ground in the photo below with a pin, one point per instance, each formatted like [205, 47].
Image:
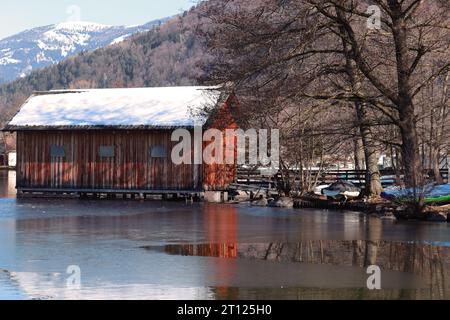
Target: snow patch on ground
[120, 39]
[6, 60]
[26, 71]
[81, 26]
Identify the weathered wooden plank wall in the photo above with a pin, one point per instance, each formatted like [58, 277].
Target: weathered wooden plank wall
[131, 168]
[220, 176]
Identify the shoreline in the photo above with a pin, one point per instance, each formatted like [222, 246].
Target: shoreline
[379, 207]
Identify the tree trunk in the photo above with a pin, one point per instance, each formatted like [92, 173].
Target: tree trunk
[410, 150]
[407, 119]
[411, 160]
[410, 142]
[358, 152]
[434, 159]
[373, 181]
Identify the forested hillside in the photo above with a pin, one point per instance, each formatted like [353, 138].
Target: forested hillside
[168, 55]
[40, 47]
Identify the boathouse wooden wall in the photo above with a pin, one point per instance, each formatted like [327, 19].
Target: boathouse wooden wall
[131, 168]
[220, 176]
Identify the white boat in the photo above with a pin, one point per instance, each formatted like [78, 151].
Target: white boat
[318, 190]
[342, 189]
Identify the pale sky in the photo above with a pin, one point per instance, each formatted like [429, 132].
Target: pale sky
[20, 15]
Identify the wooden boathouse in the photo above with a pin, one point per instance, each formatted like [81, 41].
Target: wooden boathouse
[115, 141]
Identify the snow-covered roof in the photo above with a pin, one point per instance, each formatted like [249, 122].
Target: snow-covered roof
[124, 108]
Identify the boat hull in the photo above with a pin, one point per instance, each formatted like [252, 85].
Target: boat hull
[319, 189]
[339, 194]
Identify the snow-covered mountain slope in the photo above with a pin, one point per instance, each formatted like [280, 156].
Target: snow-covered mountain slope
[44, 46]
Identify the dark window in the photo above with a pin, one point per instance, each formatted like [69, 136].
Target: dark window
[157, 152]
[106, 152]
[57, 151]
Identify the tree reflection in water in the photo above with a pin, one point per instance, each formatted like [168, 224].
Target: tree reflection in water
[430, 262]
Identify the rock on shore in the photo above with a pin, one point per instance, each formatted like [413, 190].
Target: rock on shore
[282, 202]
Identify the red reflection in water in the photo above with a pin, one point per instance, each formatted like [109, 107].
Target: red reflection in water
[221, 226]
[220, 222]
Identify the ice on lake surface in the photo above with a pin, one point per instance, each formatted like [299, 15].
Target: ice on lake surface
[173, 250]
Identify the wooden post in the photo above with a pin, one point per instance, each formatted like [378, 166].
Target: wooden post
[448, 169]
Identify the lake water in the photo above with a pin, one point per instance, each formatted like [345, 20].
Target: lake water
[173, 250]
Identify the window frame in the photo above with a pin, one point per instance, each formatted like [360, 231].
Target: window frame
[157, 152]
[107, 152]
[57, 151]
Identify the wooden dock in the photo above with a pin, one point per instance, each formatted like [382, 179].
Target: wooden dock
[7, 168]
[109, 194]
[254, 178]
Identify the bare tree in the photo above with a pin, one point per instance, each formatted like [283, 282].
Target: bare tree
[322, 50]
[413, 33]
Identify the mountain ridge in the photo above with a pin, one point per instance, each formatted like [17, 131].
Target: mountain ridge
[44, 46]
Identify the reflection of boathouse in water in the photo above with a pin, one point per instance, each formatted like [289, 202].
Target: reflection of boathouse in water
[221, 226]
[218, 239]
[7, 184]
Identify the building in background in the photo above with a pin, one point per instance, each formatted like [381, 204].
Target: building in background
[3, 156]
[12, 159]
